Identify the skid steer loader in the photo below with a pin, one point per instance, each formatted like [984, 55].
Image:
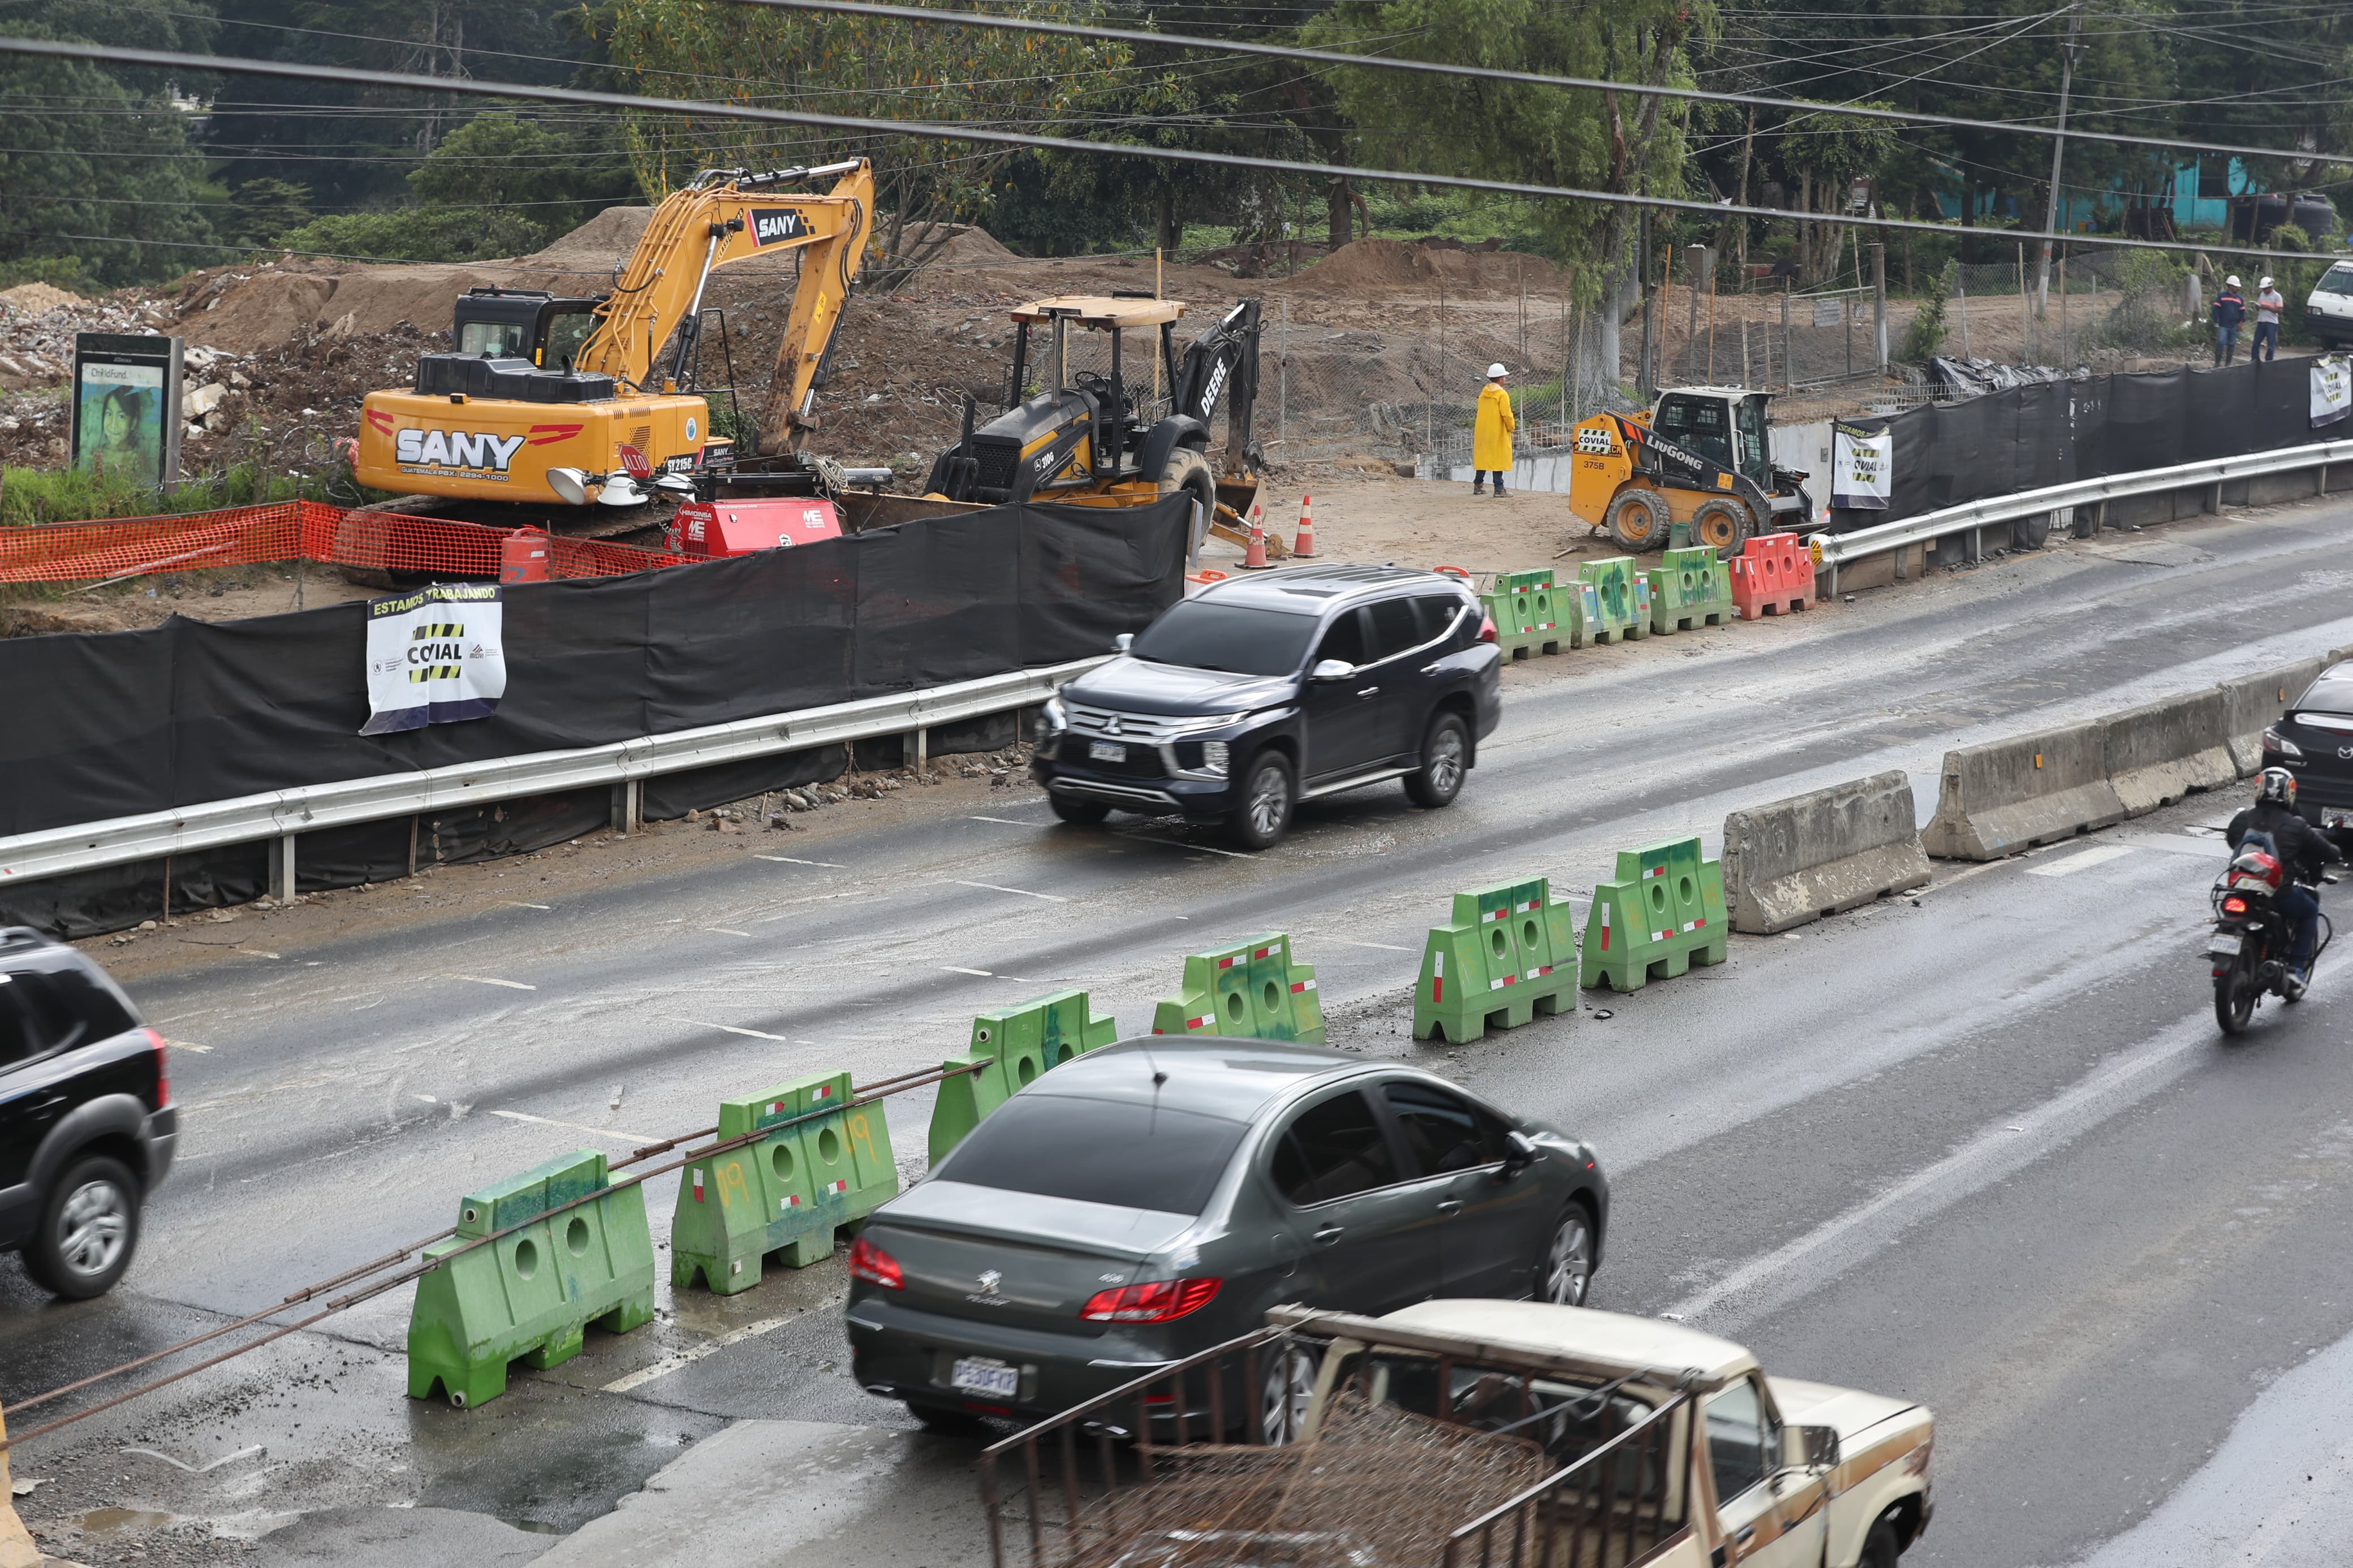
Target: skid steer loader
[1700, 458]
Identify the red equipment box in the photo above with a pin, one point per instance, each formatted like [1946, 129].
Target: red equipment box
[708, 529]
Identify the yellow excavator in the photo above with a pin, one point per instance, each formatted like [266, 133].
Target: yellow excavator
[544, 399]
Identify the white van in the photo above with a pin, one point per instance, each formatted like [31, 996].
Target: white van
[2329, 311]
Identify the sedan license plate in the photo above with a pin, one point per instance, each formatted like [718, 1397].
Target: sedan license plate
[981, 1375]
[2222, 945]
[1106, 752]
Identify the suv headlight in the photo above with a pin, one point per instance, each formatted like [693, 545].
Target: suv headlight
[1214, 756]
[1056, 716]
[1207, 759]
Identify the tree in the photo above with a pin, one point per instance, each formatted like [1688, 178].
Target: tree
[99, 168]
[856, 68]
[263, 210]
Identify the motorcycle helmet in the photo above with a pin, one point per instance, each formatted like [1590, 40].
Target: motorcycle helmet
[2277, 785]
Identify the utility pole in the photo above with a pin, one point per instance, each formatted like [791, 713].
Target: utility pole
[2058, 150]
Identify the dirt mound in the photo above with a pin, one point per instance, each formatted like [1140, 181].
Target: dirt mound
[1388, 267]
[247, 310]
[37, 298]
[965, 245]
[597, 246]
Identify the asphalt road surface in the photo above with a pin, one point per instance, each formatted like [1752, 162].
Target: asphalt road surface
[1983, 1149]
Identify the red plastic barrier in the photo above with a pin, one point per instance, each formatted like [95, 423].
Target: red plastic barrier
[1774, 573]
[289, 531]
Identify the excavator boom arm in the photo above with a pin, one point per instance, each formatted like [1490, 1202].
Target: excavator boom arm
[1221, 367]
[724, 217]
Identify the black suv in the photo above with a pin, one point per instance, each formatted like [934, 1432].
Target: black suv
[86, 1123]
[1255, 694]
[2314, 741]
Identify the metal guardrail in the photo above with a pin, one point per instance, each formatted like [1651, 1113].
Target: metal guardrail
[1841, 549]
[282, 815]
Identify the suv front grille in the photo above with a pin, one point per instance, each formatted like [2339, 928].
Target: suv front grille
[1107, 724]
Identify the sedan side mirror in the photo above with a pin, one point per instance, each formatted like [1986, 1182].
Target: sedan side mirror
[1124, 641]
[1332, 669]
[1810, 1448]
[1520, 1151]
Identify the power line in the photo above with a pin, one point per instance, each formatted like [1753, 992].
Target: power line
[165, 59]
[1528, 78]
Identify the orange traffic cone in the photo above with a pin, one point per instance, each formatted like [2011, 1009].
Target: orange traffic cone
[1306, 549]
[1255, 560]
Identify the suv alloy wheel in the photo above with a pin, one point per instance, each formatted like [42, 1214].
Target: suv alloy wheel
[1445, 760]
[88, 1229]
[1269, 793]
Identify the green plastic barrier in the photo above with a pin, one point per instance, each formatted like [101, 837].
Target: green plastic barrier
[1252, 990]
[1018, 1044]
[736, 1208]
[1689, 588]
[530, 1296]
[1622, 599]
[1526, 609]
[1663, 913]
[1581, 613]
[1506, 956]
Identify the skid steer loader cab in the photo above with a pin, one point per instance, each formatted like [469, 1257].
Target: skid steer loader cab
[1701, 458]
[1085, 439]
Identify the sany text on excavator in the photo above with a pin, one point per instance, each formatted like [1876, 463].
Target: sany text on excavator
[566, 401]
[1085, 441]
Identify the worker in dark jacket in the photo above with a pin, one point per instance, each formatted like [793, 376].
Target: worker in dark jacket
[2302, 851]
[2229, 310]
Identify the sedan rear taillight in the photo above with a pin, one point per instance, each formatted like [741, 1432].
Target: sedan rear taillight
[876, 1266]
[162, 1069]
[1486, 628]
[1160, 1302]
[2281, 745]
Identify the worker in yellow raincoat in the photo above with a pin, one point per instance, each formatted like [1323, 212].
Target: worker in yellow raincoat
[1491, 437]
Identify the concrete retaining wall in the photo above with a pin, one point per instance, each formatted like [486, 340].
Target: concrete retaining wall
[2160, 752]
[1813, 855]
[2009, 796]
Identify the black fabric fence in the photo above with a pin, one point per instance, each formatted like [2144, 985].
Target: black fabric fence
[120, 723]
[2028, 436]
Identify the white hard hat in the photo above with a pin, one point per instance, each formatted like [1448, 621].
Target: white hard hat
[2265, 283]
[1493, 371]
[2232, 280]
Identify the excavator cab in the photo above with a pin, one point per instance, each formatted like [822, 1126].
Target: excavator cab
[522, 323]
[1083, 438]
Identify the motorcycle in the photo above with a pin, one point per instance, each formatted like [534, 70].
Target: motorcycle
[2251, 938]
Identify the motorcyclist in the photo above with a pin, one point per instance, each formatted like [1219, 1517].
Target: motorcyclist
[2302, 850]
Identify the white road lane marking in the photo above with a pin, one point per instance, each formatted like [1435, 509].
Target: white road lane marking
[788, 860]
[991, 887]
[1005, 822]
[1385, 947]
[486, 980]
[519, 904]
[578, 1127]
[1993, 1154]
[2074, 863]
[1180, 844]
[722, 930]
[188, 1046]
[2203, 848]
[957, 969]
[672, 1360]
[733, 1029]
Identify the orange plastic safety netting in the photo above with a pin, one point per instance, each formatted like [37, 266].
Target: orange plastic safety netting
[288, 530]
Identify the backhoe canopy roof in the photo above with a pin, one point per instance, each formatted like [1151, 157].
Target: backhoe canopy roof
[1101, 313]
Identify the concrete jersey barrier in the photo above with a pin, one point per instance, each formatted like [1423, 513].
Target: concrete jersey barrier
[2007, 795]
[2253, 703]
[1822, 853]
[2161, 751]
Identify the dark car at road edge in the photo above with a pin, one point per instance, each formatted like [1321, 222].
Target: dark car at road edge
[86, 1123]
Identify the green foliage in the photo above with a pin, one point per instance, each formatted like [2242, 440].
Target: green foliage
[854, 67]
[554, 176]
[34, 496]
[265, 209]
[1927, 335]
[419, 233]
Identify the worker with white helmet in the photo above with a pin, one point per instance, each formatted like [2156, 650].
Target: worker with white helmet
[1491, 437]
[2269, 303]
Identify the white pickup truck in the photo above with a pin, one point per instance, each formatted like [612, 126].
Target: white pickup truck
[1455, 1433]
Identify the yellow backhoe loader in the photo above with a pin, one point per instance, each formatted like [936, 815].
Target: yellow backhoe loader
[548, 400]
[1700, 458]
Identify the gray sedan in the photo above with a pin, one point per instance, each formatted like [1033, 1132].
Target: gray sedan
[1156, 1196]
